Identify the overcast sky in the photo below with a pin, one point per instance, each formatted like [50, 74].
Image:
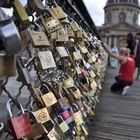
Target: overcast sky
[95, 8]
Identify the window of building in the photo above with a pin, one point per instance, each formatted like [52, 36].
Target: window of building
[108, 17]
[135, 1]
[123, 0]
[110, 1]
[135, 19]
[122, 17]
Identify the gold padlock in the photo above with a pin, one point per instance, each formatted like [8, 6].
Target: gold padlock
[63, 125]
[58, 11]
[21, 14]
[48, 98]
[51, 23]
[77, 55]
[68, 82]
[42, 115]
[75, 27]
[76, 92]
[39, 39]
[77, 115]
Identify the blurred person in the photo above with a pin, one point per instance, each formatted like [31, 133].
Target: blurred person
[131, 44]
[137, 55]
[125, 78]
[113, 61]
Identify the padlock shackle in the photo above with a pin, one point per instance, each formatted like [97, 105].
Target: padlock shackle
[30, 113]
[46, 86]
[8, 107]
[59, 116]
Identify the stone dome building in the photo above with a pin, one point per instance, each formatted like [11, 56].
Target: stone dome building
[121, 17]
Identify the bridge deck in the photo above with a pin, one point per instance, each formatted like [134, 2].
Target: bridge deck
[117, 117]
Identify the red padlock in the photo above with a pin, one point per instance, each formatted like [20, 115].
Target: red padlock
[20, 124]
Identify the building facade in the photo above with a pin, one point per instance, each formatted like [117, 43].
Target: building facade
[121, 17]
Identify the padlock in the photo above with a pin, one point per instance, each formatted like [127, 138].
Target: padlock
[84, 72]
[77, 116]
[56, 133]
[70, 32]
[62, 51]
[79, 34]
[21, 14]
[20, 125]
[63, 101]
[39, 39]
[63, 125]
[91, 58]
[92, 73]
[77, 55]
[58, 11]
[62, 35]
[42, 115]
[50, 23]
[23, 72]
[70, 123]
[9, 37]
[76, 92]
[83, 49]
[68, 82]
[64, 112]
[35, 6]
[47, 96]
[93, 84]
[46, 60]
[75, 27]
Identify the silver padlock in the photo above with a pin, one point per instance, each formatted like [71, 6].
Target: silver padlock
[9, 37]
[23, 72]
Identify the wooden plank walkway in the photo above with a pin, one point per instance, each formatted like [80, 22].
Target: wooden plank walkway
[117, 117]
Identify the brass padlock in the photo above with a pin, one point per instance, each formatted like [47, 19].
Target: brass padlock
[63, 125]
[77, 116]
[76, 92]
[50, 23]
[62, 35]
[77, 55]
[58, 11]
[21, 14]
[42, 115]
[75, 27]
[39, 39]
[68, 82]
[47, 96]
